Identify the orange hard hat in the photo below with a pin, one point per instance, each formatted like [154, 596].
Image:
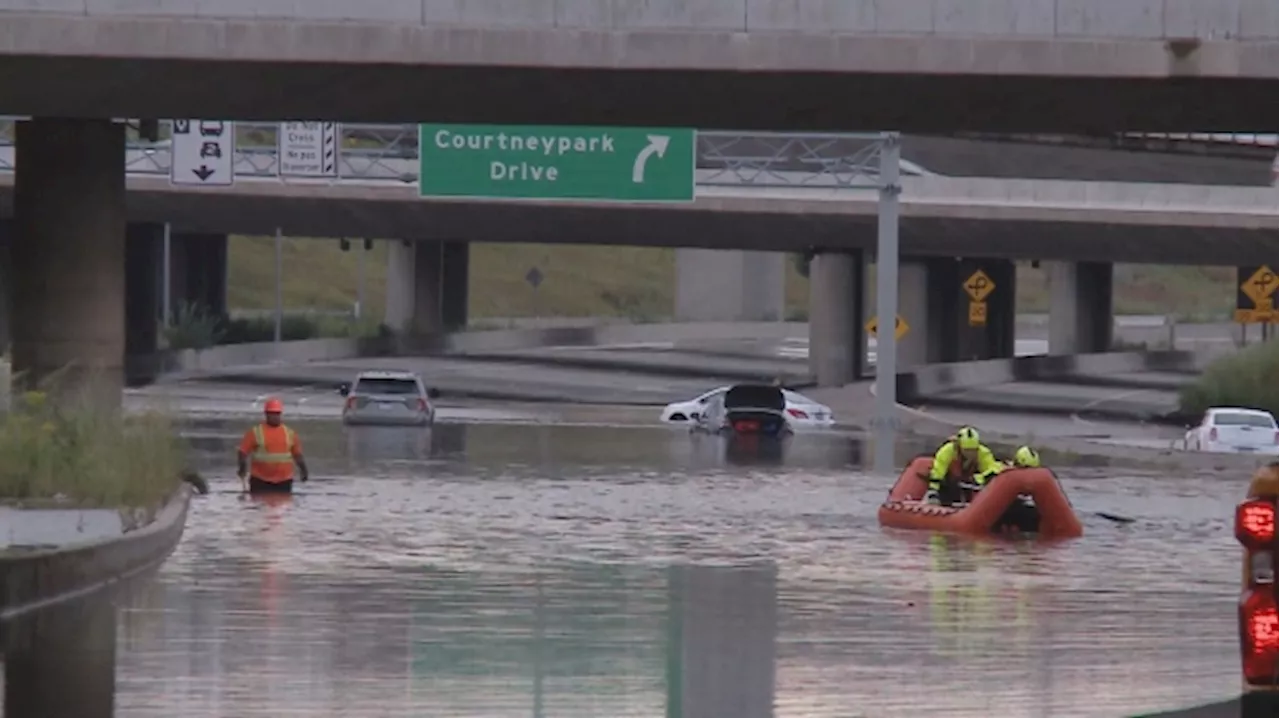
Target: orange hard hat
[273, 406]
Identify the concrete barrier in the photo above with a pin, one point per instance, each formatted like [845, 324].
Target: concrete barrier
[595, 335]
[936, 379]
[146, 368]
[31, 580]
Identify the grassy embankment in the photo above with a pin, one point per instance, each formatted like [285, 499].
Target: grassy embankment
[1249, 378]
[78, 455]
[632, 282]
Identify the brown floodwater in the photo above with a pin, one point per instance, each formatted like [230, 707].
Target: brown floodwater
[495, 570]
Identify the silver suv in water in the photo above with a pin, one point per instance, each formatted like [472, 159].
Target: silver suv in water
[396, 398]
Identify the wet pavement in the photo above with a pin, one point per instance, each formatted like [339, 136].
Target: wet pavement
[491, 569]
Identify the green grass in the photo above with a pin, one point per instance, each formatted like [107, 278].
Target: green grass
[1249, 378]
[85, 456]
[637, 283]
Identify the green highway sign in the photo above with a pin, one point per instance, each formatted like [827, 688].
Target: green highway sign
[612, 164]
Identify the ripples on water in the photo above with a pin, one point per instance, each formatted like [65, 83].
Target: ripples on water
[494, 571]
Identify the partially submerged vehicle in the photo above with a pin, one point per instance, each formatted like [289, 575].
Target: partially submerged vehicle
[1017, 500]
[746, 410]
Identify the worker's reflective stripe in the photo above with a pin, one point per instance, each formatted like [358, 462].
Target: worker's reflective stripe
[260, 453]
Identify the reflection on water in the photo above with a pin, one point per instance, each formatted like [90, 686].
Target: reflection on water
[490, 570]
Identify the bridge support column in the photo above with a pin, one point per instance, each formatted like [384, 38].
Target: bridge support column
[837, 342]
[6, 233]
[69, 255]
[1081, 319]
[933, 302]
[427, 284]
[142, 271]
[198, 272]
[721, 651]
[715, 285]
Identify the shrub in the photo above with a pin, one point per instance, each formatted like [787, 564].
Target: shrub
[293, 327]
[88, 456]
[1248, 378]
[194, 328]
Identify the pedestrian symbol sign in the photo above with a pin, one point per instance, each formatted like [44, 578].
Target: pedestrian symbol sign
[979, 286]
[900, 327]
[1261, 285]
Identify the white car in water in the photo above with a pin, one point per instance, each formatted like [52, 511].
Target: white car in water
[1234, 430]
[801, 410]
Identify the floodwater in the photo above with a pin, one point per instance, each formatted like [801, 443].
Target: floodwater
[491, 570]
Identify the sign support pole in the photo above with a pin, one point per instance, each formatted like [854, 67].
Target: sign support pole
[360, 282]
[279, 284]
[886, 421]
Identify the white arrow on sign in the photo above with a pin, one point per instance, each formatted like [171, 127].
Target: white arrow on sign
[657, 146]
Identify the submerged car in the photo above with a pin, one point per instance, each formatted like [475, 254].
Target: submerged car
[801, 410]
[1234, 430]
[388, 398]
[746, 410]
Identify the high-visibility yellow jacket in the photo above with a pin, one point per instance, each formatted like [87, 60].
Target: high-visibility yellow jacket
[950, 461]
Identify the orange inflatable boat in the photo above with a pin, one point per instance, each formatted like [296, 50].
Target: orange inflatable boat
[997, 508]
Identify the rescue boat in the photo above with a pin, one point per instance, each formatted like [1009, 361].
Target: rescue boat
[998, 508]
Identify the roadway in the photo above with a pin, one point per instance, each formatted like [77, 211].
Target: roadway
[1015, 219]
[554, 526]
[1163, 64]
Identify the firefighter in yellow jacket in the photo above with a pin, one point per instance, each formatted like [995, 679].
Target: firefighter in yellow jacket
[962, 460]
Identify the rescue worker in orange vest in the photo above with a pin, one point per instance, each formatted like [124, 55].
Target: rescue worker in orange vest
[268, 452]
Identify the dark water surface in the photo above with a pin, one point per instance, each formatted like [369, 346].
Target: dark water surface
[495, 570]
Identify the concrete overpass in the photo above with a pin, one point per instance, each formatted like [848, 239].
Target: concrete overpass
[910, 64]
[742, 205]
[736, 207]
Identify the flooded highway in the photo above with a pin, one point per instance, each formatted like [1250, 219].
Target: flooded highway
[492, 570]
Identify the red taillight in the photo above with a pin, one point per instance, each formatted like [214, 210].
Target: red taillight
[1258, 631]
[797, 414]
[351, 402]
[1256, 523]
[745, 426]
[1213, 434]
[1275, 438]
[422, 404]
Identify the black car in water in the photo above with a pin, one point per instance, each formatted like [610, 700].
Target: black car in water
[746, 410]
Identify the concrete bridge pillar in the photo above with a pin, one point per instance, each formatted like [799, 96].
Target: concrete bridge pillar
[198, 272]
[936, 306]
[722, 631]
[714, 285]
[142, 300]
[1081, 317]
[427, 285]
[69, 254]
[837, 340]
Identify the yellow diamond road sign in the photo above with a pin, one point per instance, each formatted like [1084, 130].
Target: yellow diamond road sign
[979, 286]
[900, 326]
[1261, 285]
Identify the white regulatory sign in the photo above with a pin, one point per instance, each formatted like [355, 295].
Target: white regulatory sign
[308, 149]
[203, 153]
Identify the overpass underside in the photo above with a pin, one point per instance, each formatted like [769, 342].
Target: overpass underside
[710, 99]
[710, 223]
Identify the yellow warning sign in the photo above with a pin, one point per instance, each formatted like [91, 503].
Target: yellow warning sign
[1261, 285]
[979, 286]
[977, 314]
[1264, 313]
[900, 327]
[1257, 316]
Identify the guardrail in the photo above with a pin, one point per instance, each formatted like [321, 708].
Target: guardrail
[389, 152]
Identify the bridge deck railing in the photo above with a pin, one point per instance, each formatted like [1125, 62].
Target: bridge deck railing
[389, 153]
